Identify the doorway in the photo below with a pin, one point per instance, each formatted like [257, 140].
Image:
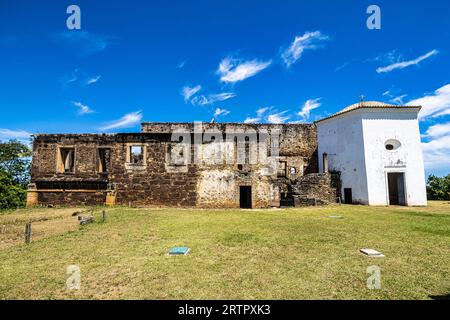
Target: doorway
[396, 188]
[348, 198]
[245, 197]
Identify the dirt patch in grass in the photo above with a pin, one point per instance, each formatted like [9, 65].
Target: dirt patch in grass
[44, 223]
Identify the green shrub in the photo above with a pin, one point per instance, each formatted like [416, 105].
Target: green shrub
[438, 188]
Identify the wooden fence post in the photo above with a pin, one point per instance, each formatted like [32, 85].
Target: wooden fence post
[28, 232]
[104, 215]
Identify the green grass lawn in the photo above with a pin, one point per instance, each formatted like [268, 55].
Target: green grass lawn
[296, 253]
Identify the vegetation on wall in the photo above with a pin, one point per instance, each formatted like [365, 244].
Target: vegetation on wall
[15, 158]
[438, 188]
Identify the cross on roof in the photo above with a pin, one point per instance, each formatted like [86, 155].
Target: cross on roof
[361, 99]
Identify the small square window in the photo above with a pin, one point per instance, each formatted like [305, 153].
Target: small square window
[136, 155]
[177, 153]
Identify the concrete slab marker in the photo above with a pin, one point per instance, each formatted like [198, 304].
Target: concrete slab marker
[372, 253]
[179, 250]
[335, 217]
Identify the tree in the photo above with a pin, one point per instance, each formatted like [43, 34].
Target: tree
[12, 195]
[438, 188]
[14, 174]
[15, 158]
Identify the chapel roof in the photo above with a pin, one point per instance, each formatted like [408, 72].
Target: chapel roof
[371, 105]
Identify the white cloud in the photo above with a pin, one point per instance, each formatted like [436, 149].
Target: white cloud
[181, 64]
[188, 92]
[83, 109]
[442, 113]
[261, 111]
[438, 130]
[252, 120]
[203, 100]
[79, 78]
[259, 115]
[342, 66]
[221, 112]
[437, 149]
[391, 57]
[404, 64]
[309, 40]
[398, 100]
[70, 78]
[434, 105]
[83, 42]
[93, 80]
[309, 105]
[234, 70]
[279, 117]
[437, 144]
[20, 135]
[190, 95]
[387, 94]
[127, 121]
[437, 152]
[265, 115]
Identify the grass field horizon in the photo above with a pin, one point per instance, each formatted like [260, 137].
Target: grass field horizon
[292, 253]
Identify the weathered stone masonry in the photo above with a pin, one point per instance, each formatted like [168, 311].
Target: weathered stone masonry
[139, 169]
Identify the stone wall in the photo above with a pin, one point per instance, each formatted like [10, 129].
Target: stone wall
[63, 198]
[161, 182]
[297, 141]
[147, 184]
[151, 184]
[316, 189]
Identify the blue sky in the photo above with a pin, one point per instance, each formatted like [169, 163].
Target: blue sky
[254, 61]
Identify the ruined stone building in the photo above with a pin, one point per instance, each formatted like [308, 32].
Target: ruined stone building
[213, 165]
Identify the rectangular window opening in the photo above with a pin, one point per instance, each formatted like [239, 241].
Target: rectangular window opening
[176, 154]
[104, 160]
[136, 155]
[66, 160]
[247, 150]
[282, 166]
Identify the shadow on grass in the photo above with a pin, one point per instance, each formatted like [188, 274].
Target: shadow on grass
[445, 297]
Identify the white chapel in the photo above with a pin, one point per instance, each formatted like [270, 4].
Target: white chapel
[376, 147]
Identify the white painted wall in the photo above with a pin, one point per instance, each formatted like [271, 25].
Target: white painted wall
[355, 142]
[342, 139]
[402, 125]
